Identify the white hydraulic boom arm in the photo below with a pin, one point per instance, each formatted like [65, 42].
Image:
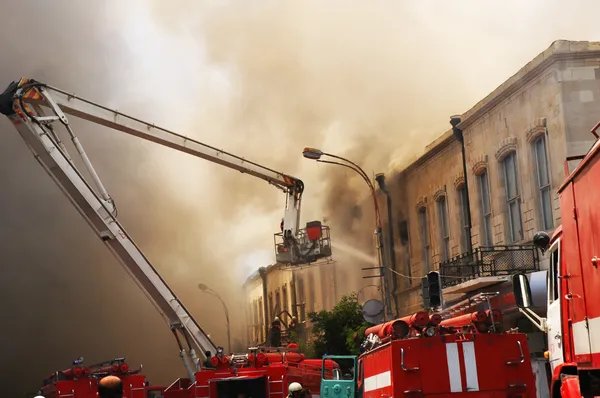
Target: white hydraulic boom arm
[24, 103]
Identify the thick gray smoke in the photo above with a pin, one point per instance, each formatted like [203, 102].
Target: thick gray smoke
[373, 81]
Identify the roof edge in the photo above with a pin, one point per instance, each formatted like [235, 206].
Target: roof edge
[559, 49]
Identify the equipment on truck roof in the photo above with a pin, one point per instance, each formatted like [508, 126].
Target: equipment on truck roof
[82, 381]
[37, 110]
[572, 321]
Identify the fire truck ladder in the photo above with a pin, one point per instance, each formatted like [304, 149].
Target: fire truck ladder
[22, 103]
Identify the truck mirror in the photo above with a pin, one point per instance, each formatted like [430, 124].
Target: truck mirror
[522, 290]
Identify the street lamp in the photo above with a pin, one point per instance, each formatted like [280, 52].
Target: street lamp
[208, 290]
[317, 154]
[458, 134]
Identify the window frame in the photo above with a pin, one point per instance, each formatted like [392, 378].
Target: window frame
[513, 202]
[486, 217]
[461, 190]
[423, 221]
[546, 223]
[444, 225]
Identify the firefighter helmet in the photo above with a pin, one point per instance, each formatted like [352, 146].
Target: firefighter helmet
[541, 240]
[295, 387]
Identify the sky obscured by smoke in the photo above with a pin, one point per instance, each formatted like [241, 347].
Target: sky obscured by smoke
[372, 81]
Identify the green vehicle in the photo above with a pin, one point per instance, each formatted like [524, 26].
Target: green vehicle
[340, 383]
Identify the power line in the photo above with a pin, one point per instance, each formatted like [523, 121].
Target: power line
[419, 277]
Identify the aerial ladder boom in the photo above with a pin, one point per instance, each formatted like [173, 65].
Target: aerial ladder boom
[25, 102]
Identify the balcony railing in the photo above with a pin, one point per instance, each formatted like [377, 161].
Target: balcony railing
[489, 261]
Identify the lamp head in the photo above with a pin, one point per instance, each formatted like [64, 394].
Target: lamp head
[312, 153]
[202, 287]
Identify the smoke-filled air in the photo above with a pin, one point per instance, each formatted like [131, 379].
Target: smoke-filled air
[371, 81]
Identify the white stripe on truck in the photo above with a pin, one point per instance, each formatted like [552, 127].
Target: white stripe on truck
[453, 367]
[470, 366]
[378, 381]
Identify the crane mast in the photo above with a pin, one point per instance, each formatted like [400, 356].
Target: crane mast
[24, 103]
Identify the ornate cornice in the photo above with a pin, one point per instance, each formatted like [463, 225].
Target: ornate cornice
[480, 164]
[440, 193]
[507, 146]
[459, 180]
[536, 129]
[421, 203]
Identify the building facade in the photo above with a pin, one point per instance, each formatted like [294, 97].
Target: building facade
[279, 291]
[515, 142]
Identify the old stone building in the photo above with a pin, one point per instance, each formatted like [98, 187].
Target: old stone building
[515, 141]
[288, 293]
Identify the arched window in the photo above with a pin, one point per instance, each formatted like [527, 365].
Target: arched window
[486, 209]
[424, 232]
[513, 197]
[444, 229]
[543, 182]
[464, 219]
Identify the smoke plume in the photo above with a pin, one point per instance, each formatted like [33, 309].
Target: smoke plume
[373, 82]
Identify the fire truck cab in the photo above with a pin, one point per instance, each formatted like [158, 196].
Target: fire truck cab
[418, 356]
[572, 322]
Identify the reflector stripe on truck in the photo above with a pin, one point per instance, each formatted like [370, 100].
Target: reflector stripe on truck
[468, 348]
[453, 367]
[378, 381]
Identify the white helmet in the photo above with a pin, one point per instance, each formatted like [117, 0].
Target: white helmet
[295, 387]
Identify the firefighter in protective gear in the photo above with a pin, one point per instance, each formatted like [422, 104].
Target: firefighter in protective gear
[276, 333]
[207, 362]
[294, 390]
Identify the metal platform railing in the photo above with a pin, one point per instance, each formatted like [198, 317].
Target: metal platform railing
[489, 261]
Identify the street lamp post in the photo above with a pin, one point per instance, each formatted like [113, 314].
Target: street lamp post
[316, 154]
[458, 134]
[208, 290]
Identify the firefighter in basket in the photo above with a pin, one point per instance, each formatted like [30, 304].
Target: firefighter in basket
[295, 390]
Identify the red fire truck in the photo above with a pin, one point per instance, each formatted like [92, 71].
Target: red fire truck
[572, 322]
[421, 355]
[82, 381]
[38, 111]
